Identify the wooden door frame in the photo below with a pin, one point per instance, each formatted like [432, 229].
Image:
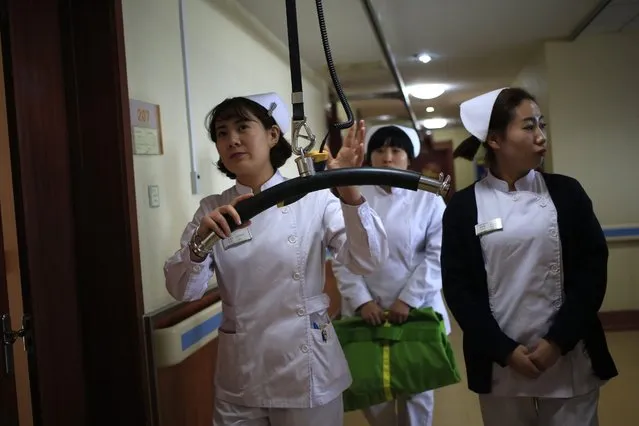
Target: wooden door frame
[72, 165]
[8, 395]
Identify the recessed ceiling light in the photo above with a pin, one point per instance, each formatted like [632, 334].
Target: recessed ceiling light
[424, 58]
[427, 91]
[435, 123]
[430, 109]
[384, 117]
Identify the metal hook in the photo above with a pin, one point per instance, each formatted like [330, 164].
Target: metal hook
[304, 164]
[309, 136]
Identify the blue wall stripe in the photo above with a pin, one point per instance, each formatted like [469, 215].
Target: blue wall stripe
[200, 331]
[631, 231]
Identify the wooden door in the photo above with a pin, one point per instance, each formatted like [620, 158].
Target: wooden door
[8, 397]
[71, 161]
[15, 396]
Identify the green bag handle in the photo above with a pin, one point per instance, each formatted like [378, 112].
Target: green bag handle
[421, 314]
[355, 329]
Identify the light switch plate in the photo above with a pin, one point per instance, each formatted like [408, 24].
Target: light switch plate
[154, 196]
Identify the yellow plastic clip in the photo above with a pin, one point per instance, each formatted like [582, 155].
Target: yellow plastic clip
[319, 164]
[319, 159]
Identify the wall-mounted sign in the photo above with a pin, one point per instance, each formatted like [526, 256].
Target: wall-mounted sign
[146, 128]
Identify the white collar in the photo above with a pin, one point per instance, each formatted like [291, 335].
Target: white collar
[525, 183]
[274, 180]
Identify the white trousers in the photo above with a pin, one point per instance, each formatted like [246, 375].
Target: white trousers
[227, 414]
[524, 411]
[416, 410]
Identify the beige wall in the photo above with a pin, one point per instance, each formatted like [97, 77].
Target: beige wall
[589, 90]
[594, 90]
[464, 169]
[534, 78]
[228, 56]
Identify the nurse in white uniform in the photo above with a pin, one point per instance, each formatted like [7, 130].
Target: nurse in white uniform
[411, 277]
[279, 362]
[524, 264]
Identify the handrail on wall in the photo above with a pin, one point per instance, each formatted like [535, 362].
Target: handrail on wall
[173, 333]
[172, 345]
[614, 233]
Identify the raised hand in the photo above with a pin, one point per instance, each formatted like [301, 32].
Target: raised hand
[351, 154]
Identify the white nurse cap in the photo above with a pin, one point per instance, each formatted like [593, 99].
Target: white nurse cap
[475, 113]
[276, 108]
[411, 133]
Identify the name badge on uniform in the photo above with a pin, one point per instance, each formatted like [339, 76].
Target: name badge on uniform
[488, 227]
[239, 236]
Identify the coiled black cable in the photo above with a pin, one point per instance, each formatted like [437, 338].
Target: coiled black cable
[334, 77]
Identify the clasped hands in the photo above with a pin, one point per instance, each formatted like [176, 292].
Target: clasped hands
[533, 362]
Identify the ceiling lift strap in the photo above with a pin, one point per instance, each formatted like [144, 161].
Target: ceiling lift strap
[297, 98]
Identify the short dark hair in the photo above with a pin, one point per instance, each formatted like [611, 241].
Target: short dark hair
[243, 108]
[502, 114]
[389, 136]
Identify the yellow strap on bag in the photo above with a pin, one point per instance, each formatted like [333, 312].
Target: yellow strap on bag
[386, 367]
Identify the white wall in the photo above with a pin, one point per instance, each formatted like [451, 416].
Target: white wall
[588, 89]
[226, 58]
[594, 87]
[534, 78]
[464, 169]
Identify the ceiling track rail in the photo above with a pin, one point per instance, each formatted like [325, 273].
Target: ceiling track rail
[588, 19]
[373, 96]
[373, 18]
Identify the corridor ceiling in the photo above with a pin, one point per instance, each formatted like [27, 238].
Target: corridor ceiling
[475, 45]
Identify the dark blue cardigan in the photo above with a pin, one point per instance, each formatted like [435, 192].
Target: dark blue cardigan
[585, 263]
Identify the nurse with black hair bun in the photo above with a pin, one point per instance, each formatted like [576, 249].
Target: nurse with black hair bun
[524, 268]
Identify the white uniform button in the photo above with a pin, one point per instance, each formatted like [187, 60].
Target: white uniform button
[516, 197]
[553, 232]
[554, 269]
[300, 312]
[197, 268]
[292, 239]
[304, 348]
[284, 210]
[297, 276]
[543, 202]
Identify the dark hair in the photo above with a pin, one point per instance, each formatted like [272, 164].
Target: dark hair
[502, 114]
[389, 136]
[242, 108]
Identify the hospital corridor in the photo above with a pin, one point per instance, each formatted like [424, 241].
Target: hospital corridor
[319, 213]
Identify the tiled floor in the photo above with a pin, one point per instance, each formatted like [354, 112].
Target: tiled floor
[619, 404]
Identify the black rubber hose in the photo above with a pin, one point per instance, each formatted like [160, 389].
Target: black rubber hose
[291, 188]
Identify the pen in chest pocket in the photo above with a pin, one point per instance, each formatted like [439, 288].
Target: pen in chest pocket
[322, 329]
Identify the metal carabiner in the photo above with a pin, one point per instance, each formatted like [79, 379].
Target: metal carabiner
[304, 163]
[298, 125]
